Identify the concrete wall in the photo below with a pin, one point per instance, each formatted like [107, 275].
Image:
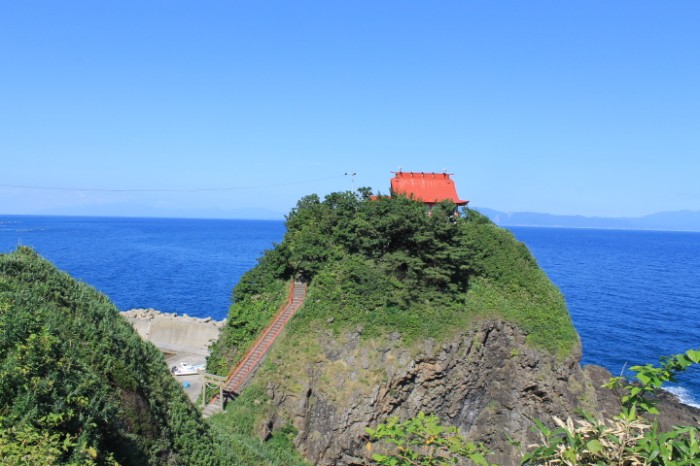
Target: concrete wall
[174, 334]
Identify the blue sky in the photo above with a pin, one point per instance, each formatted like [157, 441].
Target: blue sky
[588, 108]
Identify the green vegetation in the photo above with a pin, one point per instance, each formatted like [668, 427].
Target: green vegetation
[629, 438]
[79, 387]
[247, 317]
[77, 384]
[239, 427]
[388, 265]
[423, 440]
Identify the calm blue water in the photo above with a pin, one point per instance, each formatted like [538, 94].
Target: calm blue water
[173, 265]
[633, 295]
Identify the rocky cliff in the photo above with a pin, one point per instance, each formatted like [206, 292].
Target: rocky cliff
[487, 381]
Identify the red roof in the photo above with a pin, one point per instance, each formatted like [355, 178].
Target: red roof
[430, 188]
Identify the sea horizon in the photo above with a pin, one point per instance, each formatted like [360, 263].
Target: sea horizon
[503, 225]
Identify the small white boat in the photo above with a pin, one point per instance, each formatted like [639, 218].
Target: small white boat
[185, 368]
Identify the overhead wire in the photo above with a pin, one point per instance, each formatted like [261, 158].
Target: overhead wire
[165, 190]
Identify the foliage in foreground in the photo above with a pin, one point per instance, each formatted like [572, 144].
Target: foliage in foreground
[628, 439]
[28, 445]
[77, 384]
[423, 440]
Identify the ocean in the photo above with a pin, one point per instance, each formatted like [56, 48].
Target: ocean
[173, 265]
[633, 295]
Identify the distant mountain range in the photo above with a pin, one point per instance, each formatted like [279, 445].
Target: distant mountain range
[683, 220]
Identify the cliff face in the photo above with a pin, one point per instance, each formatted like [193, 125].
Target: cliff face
[486, 381]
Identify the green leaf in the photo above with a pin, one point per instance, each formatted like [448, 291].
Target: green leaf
[594, 446]
[694, 355]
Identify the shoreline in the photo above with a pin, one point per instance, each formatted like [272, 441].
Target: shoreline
[181, 338]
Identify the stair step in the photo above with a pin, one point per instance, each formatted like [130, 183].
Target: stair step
[240, 376]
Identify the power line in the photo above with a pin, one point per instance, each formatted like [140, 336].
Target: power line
[169, 190]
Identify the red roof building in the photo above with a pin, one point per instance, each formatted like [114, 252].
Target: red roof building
[429, 188]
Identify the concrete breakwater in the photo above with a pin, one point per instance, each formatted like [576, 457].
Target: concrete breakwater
[173, 333]
[180, 337]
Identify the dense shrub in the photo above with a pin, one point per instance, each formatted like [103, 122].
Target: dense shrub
[77, 384]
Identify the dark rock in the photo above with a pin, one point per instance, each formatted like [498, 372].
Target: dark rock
[486, 381]
[672, 411]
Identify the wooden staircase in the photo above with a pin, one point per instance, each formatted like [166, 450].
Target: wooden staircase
[245, 369]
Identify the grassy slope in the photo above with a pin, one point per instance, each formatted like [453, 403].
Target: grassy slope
[509, 285]
[240, 427]
[72, 369]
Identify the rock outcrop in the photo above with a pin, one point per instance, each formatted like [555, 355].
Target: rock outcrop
[672, 411]
[487, 381]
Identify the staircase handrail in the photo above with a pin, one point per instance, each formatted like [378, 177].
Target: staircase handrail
[263, 334]
[232, 374]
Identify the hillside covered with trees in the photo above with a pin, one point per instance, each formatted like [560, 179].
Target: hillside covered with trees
[77, 384]
[389, 266]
